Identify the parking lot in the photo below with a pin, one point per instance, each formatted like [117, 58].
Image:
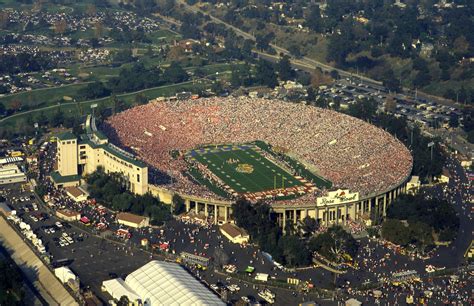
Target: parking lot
[95, 259]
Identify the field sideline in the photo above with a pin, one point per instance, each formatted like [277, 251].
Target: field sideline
[256, 174]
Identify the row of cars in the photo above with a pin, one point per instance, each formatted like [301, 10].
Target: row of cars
[231, 287]
[27, 232]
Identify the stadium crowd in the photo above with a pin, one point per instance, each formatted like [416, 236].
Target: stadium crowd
[345, 150]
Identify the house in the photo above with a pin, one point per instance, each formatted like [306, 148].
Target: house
[132, 220]
[68, 215]
[76, 193]
[234, 233]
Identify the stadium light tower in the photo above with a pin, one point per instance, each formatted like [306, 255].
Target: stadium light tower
[93, 107]
[430, 145]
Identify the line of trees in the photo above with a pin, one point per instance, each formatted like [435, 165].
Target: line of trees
[261, 224]
[419, 220]
[292, 249]
[138, 77]
[425, 164]
[109, 190]
[11, 284]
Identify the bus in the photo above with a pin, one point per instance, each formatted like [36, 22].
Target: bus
[16, 154]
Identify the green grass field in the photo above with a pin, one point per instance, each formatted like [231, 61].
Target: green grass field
[263, 175]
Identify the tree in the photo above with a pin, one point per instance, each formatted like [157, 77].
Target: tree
[364, 109]
[318, 78]
[60, 26]
[395, 231]
[117, 104]
[93, 90]
[422, 79]
[141, 99]
[15, 105]
[123, 56]
[389, 80]
[310, 225]
[221, 258]
[470, 136]
[310, 94]
[438, 215]
[175, 74]
[91, 10]
[263, 41]
[390, 104]
[314, 20]
[178, 204]
[294, 251]
[58, 118]
[295, 50]
[421, 234]
[4, 19]
[285, 72]
[461, 46]
[42, 119]
[98, 29]
[453, 120]
[335, 244]
[322, 102]
[11, 284]
[266, 74]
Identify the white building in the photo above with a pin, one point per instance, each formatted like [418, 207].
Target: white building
[10, 174]
[162, 283]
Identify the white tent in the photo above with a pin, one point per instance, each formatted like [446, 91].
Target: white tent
[64, 274]
[117, 288]
[353, 302]
[163, 283]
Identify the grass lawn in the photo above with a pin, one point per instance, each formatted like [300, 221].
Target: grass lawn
[43, 96]
[226, 162]
[163, 35]
[71, 109]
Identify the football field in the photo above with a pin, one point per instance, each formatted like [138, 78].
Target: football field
[244, 169]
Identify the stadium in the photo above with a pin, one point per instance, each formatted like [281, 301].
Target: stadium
[303, 160]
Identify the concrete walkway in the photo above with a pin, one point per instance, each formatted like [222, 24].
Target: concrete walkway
[33, 268]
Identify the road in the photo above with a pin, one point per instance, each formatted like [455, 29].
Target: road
[305, 63]
[97, 100]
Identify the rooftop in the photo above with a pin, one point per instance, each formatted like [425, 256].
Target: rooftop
[66, 136]
[59, 179]
[163, 283]
[74, 191]
[233, 230]
[67, 212]
[128, 217]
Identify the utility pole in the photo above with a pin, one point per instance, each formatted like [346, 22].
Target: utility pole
[431, 145]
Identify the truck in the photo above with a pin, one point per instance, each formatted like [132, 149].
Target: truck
[41, 248]
[261, 277]
[267, 295]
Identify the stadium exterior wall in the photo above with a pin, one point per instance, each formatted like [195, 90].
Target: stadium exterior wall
[370, 209]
